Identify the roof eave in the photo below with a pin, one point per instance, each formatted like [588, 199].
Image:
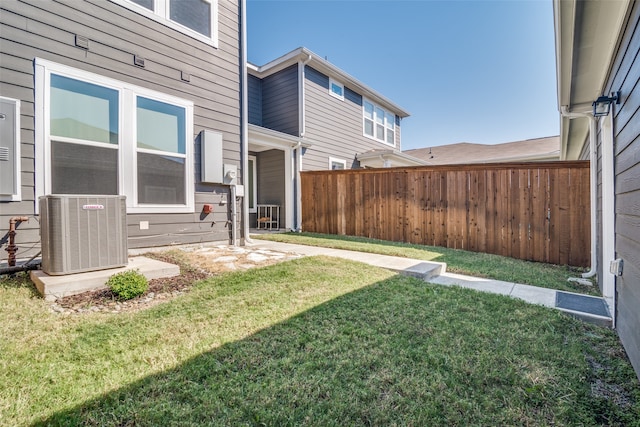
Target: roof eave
[596, 28]
[322, 65]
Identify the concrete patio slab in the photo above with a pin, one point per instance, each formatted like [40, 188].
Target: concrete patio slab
[54, 287]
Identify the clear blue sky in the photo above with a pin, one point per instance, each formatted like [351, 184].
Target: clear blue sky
[467, 71]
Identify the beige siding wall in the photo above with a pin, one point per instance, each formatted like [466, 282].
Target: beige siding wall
[47, 30]
[334, 127]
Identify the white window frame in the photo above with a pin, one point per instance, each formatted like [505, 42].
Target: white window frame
[387, 126]
[127, 147]
[254, 196]
[332, 93]
[333, 160]
[162, 14]
[17, 159]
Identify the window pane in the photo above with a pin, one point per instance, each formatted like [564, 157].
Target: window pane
[337, 165]
[390, 135]
[144, 3]
[337, 89]
[161, 179]
[83, 169]
[194, 14]
[368, 110]
[391, 120]
[161, 126]
[380, 132]
[83, 110]
[368, 127]
[379, 115]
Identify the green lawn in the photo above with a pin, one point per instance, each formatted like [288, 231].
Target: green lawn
[315, 341]
[458, 261]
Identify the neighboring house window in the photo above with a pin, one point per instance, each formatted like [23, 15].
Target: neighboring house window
[337, 164]
[197, 18]
[379, 124]
[252, 184]
[336, 89]
[102, 136]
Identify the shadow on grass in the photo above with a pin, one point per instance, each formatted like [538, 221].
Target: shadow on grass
[397, 352]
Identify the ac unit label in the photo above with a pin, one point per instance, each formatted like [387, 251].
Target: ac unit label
[92, 207]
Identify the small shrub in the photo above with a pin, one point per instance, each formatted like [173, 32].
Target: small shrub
[128, 284]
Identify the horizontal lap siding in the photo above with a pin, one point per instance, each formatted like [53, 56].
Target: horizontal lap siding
[33, 28]
[255, 100]
[280, 101]
[625, 77]
[271, 180]
[537, 212]
[334, 127]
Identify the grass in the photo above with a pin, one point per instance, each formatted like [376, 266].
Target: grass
[458, 261]
[315, 341]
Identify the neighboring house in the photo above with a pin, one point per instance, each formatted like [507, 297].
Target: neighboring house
[307, 114]
[597, 53]
[113, 97]
[531, 150]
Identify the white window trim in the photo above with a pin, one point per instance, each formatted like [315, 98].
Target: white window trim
[161, 14]
[336, 160]
[17, 195]
[384, 140]
[332, 93]
[255, 184]
[127, 158]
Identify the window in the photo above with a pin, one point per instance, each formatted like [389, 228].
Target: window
[101, 136]
[337, 164]
[336, 89]
[197, 18]
[378, 123]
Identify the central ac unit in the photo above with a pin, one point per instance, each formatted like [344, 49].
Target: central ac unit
[82, 233]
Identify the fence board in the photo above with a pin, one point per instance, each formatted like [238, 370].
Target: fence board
[533, 211]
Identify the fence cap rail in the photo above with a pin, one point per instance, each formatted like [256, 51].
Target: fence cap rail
[574, 164]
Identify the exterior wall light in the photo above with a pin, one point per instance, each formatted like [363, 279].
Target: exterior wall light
[602, 105]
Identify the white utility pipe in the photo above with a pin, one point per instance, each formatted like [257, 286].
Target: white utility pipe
[593, 169]
[244, 137]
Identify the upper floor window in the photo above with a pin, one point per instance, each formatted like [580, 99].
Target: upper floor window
[336, 89]
[379, 124]
[197, 18]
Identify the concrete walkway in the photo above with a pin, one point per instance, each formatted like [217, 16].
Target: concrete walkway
[588, 308]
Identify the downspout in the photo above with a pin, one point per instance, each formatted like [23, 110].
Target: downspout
[244, 127]
[593, 170]
[608, 214]
[298, 148]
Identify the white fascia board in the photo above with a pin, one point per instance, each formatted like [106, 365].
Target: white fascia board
[394, 155]
[274, 138]
[324, 66]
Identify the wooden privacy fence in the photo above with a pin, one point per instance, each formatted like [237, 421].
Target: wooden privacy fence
[531, 211]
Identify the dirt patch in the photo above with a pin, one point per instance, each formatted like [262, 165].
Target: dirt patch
[196, 263]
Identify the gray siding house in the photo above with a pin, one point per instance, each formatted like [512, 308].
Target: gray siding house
[307, 114]
[597, 53]
[112, 97]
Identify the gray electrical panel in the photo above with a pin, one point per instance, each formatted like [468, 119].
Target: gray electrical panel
[9, 140]
[211, 157]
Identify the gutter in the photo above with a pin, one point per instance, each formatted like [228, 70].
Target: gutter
[297, 203]
[564, 111]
